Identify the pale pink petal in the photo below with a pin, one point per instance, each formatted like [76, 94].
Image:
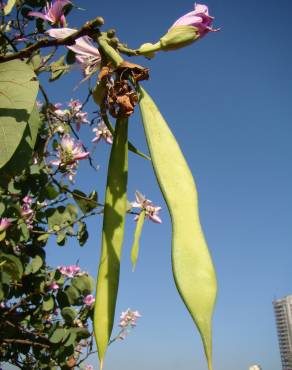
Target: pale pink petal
[139, 197]
[155, 218]
[39, 15]
[84, 47]
[60, 33]
[82, 155]
[57, 9]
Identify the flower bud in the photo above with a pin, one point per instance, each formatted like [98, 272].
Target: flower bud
[178, 37]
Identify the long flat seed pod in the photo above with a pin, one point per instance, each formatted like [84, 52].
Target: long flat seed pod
[112, 239]
[191, 262]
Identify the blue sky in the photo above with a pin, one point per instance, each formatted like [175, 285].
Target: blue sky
[227, 99]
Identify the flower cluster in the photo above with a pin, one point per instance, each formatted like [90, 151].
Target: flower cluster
[69, 153]
[76, 113]
[128, 320]
[151, 211]
[102, 132]
[69, 271]
[89, 300]
[27, 212]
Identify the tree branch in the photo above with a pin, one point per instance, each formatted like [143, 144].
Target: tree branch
[25, 341]
[89, 29]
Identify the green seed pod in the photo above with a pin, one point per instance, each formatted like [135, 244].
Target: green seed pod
[191, 262]
[112, 239]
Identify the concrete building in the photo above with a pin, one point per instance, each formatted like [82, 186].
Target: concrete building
[255, 367]
[283, 315]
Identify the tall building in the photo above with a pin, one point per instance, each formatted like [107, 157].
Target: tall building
[283, 315]
[255, 367]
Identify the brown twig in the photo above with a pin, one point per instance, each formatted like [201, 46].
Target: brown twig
[89, 29]
[25, 341]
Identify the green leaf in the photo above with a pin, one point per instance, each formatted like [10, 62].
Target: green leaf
[82, 235]
[84, 283]
[9, 6]
[11, 265]
[24, 231]
[59, 335]
[61, 217]
[48, 303]
[36, 264]
[18, 91]
[71, 338]
[112, 238]
[82, 333]
[85, 203]
[61, 239]
[2, 235]
[43, 237]
[2, 208]
[72, 294]
[51, 192]
[58, 68]
[69, 314]
[192, 264]
[137, 235]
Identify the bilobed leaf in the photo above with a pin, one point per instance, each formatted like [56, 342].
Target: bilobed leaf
[72, 294]
[84, 283]
[61, 238]
[58, 68]
[69, 314]
[11, 265]
[59, 335]
[48, 303]
[18, 91]
[82, 234]
[192, 265]
[24, 151]
[112, 239]
[85, 203]
[36, 264]
[137, 235]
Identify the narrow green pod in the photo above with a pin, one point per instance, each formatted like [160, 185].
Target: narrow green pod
[112, 239]
[137, 235]
[191, 262]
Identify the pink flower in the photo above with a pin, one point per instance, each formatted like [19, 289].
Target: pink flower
[27, 200]
[87, 55]
[102, 132]
[75, 105]
[4, 224]
[27, 212]
[198, 18]
[53, 286]
[88, 300]
[151, 211]
[88, 367]
[53, 13]
[129, 318]
[69, 152]
[81, 118]
[69, 271]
